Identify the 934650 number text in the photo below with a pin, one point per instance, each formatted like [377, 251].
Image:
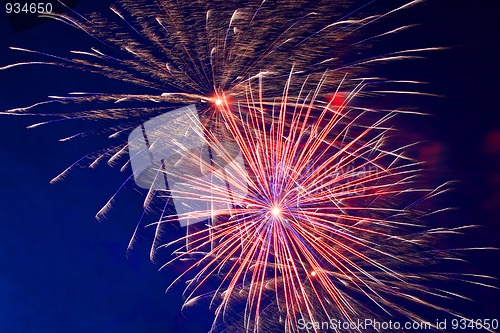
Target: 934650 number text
[28, 8]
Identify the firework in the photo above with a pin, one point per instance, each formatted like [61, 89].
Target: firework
[324, 225]
[313, 210]
[179, 53]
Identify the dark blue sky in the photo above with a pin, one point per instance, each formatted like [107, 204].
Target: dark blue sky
[62, 271]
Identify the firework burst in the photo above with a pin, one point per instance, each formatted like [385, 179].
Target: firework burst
[323, 222]
[186, 52]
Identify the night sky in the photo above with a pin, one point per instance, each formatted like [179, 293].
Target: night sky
[63, 271]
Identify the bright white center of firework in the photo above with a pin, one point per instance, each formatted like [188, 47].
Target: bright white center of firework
[218, 102]
[276, 211]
